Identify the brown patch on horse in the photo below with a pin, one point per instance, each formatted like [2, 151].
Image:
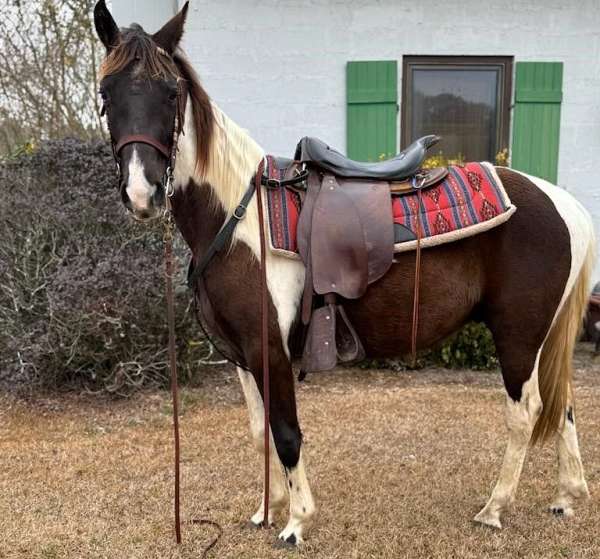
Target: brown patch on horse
[138, 53]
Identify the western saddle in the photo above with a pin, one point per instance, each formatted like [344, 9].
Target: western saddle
[346, 236]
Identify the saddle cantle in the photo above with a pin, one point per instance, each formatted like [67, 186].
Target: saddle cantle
[346, 236]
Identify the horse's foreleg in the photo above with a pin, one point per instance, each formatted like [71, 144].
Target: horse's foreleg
[288, 441]
[277, 489]
[286, 437]
[302, 506]
[521, 417]
[571, 480]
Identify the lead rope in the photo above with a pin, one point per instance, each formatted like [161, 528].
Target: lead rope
[168, 240]
[264, 337]
[415, 319]
[169, 227]
[169, 272]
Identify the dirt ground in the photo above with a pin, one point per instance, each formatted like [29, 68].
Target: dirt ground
[400, 462]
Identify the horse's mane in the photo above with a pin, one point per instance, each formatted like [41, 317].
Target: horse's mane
[151, 62]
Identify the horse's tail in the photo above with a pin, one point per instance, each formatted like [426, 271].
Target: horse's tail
[555, 373]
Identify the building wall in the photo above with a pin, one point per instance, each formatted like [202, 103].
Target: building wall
[278, 67]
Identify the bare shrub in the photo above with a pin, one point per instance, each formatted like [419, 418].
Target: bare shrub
[81, 285]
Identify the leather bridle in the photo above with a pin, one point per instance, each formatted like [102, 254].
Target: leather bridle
[143, 139]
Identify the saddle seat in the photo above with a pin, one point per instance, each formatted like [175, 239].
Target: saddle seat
[406, 164]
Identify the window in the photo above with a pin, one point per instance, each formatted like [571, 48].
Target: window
[464, 99]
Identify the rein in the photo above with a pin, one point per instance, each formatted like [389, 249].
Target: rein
[219, 242]
[418, 183]
[170, 153]
[264, 314]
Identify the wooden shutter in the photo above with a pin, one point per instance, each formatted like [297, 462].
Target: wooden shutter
[536, 120]
[372, 98]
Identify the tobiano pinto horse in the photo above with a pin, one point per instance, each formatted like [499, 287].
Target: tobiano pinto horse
[527, 279]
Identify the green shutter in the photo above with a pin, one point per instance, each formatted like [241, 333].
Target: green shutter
[536, 120]
[372, 97]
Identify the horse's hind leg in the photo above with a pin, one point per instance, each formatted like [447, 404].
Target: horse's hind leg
[277, 488]
[521, 415]
[571, 480]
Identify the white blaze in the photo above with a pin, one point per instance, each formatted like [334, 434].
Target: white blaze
[139, 190]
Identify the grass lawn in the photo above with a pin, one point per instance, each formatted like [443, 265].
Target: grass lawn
[399, 464]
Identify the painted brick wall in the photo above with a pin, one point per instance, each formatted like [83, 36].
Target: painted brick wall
[278, 66]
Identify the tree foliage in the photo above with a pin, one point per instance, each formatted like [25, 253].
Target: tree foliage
[49, 55]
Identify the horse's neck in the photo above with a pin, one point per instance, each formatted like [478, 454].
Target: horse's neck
[203, 202]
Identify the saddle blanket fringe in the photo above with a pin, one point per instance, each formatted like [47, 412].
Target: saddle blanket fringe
[470, 200]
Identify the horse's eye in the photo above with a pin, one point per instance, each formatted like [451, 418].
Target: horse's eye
[173, 96]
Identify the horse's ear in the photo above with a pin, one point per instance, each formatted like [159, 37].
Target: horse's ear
[169, 35]
[105, 26]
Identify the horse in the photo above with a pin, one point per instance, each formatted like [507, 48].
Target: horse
[526, 279]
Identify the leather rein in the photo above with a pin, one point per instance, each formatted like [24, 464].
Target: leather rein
[220, 241]
[170, 154]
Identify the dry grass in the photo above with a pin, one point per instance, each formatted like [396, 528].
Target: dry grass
[399, 464]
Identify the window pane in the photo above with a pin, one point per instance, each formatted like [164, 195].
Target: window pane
[459, 104]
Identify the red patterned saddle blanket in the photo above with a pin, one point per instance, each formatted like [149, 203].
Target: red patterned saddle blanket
[470, 200]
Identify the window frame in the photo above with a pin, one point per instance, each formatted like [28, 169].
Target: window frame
[410, 62]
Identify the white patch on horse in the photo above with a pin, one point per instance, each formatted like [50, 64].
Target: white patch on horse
[302, 505]
[185, 164]
[571, 479]
[520, 420]
[277, 489]
[138, 189]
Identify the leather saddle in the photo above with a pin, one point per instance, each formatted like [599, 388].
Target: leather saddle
[346, 237]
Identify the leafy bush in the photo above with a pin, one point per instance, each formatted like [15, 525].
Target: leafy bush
[472, 347]
[81, 285]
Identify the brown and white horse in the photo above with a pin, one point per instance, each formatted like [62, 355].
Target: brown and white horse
[526, 279]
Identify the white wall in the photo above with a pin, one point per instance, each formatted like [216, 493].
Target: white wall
[150, 14]
[278, 67]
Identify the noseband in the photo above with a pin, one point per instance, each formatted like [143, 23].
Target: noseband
[142, 139]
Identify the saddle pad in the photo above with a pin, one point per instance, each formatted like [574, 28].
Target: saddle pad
[470, 200]
[283, 212]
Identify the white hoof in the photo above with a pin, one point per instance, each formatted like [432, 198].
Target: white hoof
[488, 518]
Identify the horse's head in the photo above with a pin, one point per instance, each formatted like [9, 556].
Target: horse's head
[142, 91]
